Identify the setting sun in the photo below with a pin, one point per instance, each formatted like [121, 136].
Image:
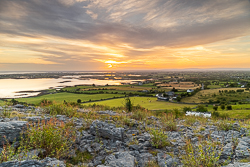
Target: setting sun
[110, 66]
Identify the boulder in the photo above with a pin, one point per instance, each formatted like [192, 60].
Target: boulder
[105, 130]
[238, 165]
[11, 130]
[47, 162]
[28, 163]
[120, 159]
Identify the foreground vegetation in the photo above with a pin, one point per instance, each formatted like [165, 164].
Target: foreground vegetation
[56, 137]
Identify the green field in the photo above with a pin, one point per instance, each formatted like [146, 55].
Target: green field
[69, 97]
[150, 103]
[204, 96]
[239, 114]
[214, 86]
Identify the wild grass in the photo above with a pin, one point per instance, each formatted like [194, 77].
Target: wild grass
[205, 154]
[158, 138]
[52, 136]
[60, 109]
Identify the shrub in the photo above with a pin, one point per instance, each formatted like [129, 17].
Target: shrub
[81, 157]
[240, 90]
[7, 153]
[174, 90]
[177, 113]
[13, 101]
[201, 108]
[128, 104]
[170, 125]
[205, 154]
[53, 136]
[139, 115]
[224, 125]
[215, 114]
[158, 138]
[215, 108]
[222, 106]
[189, 121]
[45, 102]
[79, 100]
[229, 107]
[185, 109]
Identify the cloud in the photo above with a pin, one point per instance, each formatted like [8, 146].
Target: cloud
[62, 31]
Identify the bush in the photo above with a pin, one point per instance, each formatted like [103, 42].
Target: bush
[176, 113]
[215, 108]
[14, 101]
[189, 121]
[45, 102]
[201, 108]
[139, 115]
[8, 152]
[224, 125]
[185, 109]
[158, 138]
[215, 114]
[222, 106]
[81, 157]
[128, 104]
[229, 107]
[174, 90]
[205, 154]
[53, 136]
[170, 125]
[79, 101]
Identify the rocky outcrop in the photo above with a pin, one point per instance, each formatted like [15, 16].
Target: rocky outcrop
[105, 130]
[11, 130]
[131, 145]
[48, 162]
[238, 165]
[123, 159]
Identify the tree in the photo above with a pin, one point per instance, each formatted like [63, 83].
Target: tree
[222, 107]
[14, 101]
[178, 99]
[229, 107]
[201, 108]
[215, 108]
[128, 104]
[79, 101]
[174, 90]
[185, 109]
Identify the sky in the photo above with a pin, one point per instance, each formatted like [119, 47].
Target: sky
[93, 35]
